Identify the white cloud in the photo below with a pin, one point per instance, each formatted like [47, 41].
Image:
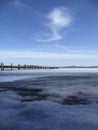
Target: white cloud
[54, 36]
[58, 18]
[48, 55]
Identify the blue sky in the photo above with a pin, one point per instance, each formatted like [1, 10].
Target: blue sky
[49, 32]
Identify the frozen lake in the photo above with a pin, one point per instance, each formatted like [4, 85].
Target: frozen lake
[22, 74]
[63, 99]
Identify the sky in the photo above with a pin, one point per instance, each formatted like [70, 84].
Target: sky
[49, 32]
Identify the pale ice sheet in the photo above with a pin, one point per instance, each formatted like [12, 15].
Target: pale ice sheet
[8, 75]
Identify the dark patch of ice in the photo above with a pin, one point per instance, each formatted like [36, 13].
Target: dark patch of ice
[75, 100]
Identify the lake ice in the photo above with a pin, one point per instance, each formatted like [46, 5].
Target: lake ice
[50, 101]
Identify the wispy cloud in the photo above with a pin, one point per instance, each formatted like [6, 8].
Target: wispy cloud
[55, 21]
[18, 4]
[58, 18]
[48, 55]
[23, 5]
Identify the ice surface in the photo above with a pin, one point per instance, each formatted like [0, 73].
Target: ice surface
[45, 115]
[62, 102]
